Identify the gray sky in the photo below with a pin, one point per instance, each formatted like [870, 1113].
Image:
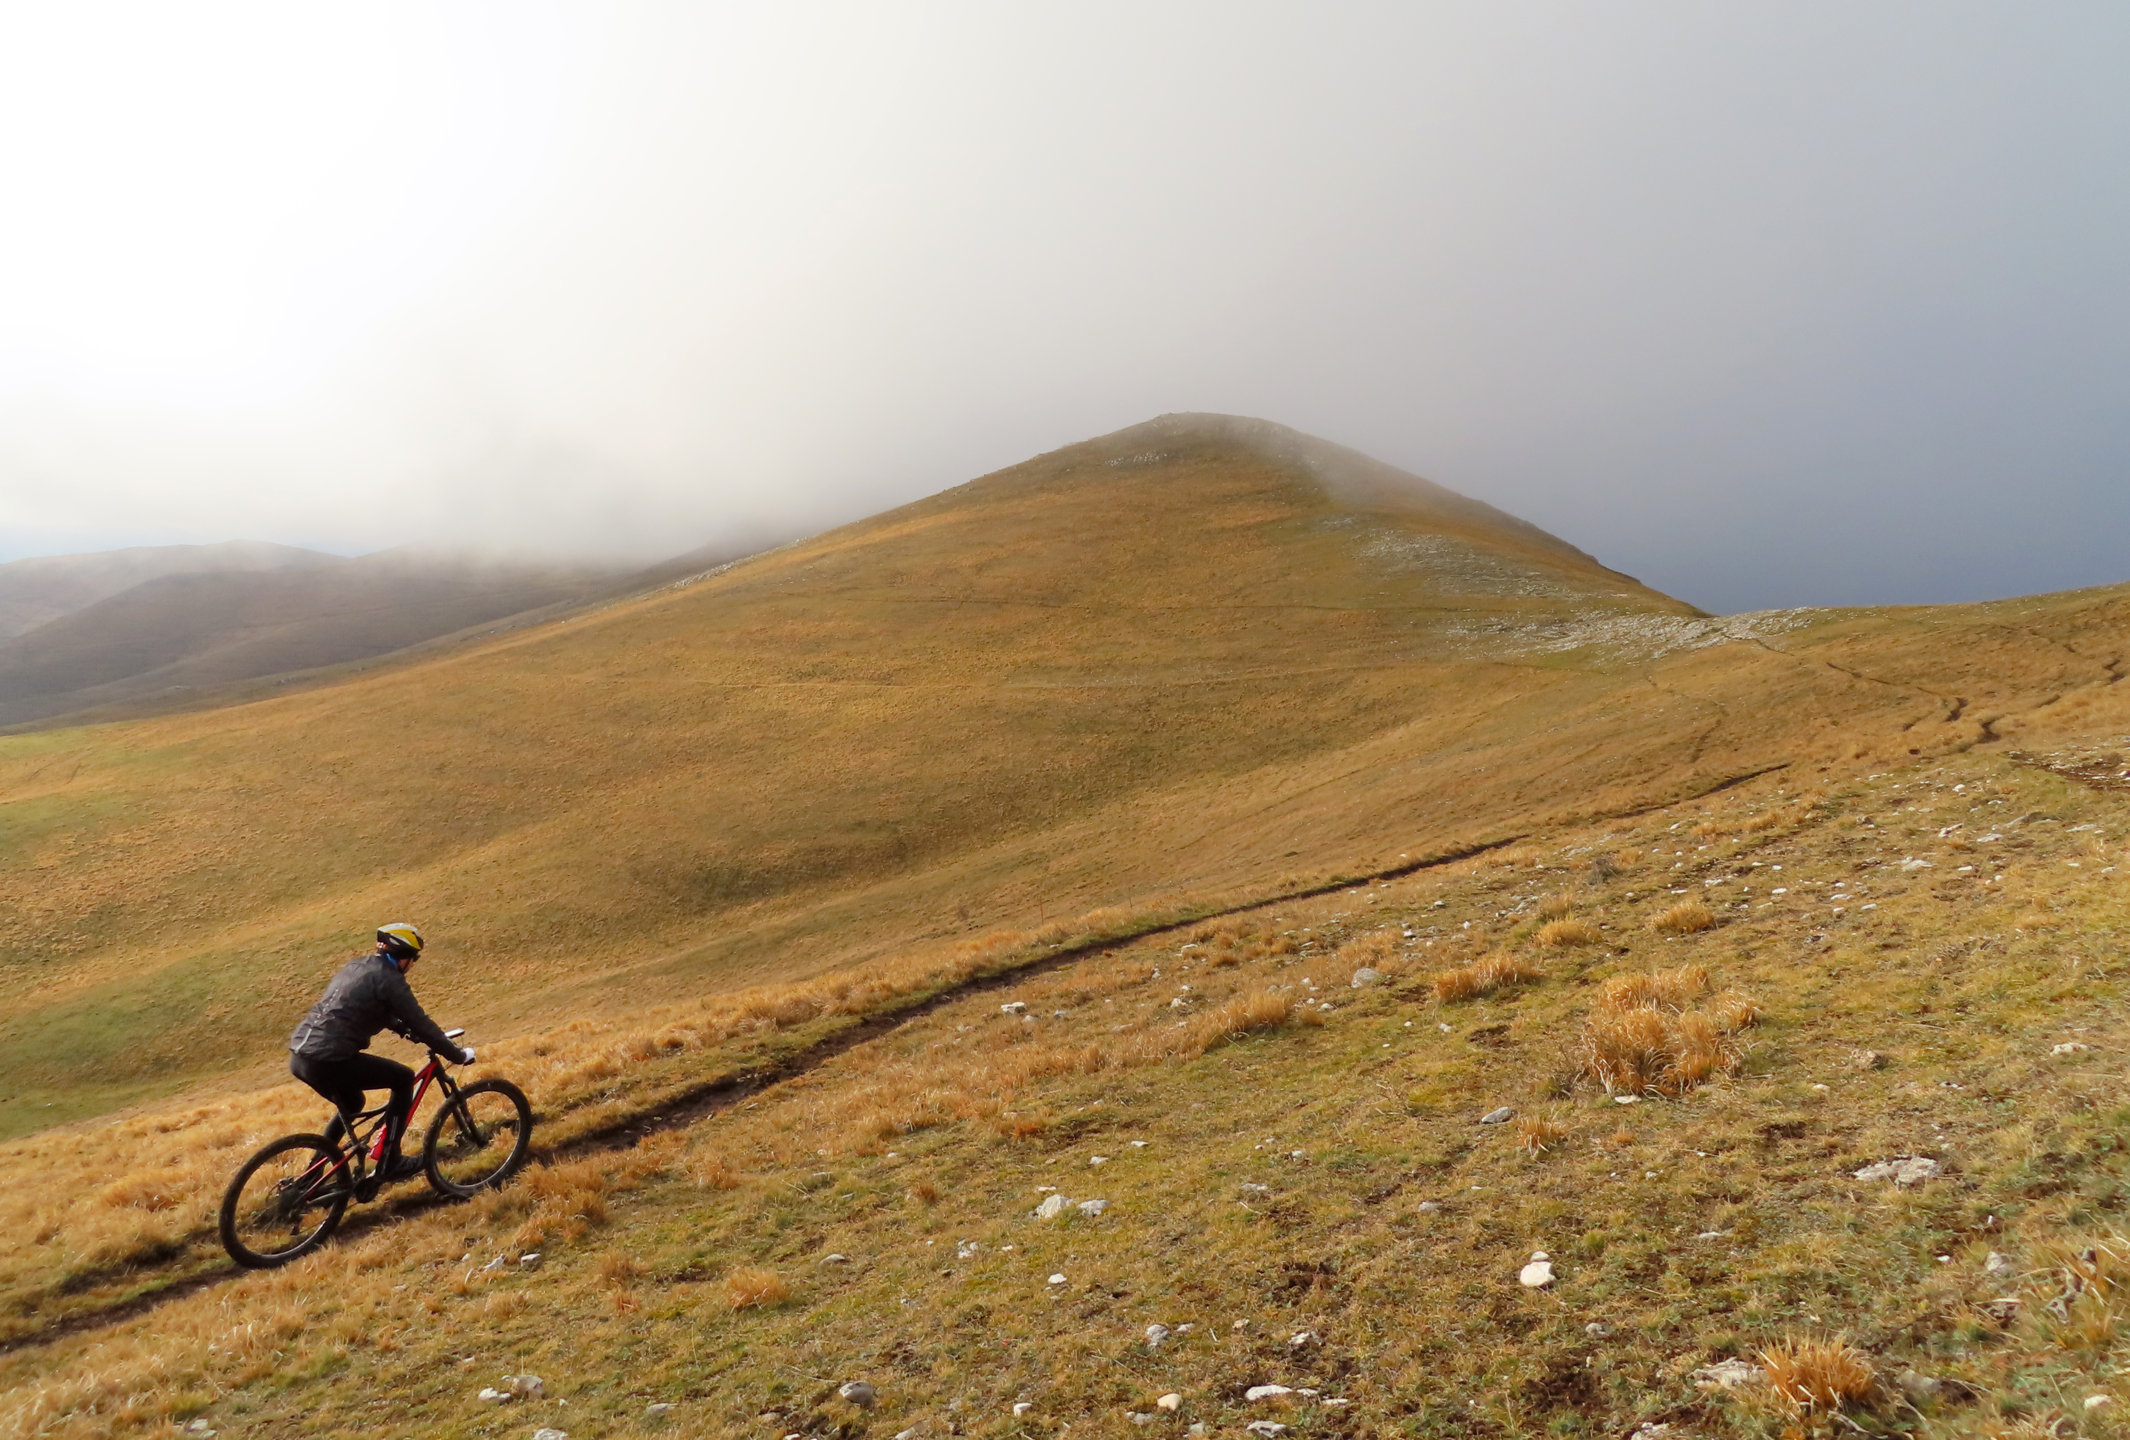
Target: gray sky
[1767, 304]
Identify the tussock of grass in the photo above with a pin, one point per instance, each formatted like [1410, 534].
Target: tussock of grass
[1482, 977]
[1568, 933]
[1557, 906]
[1688, 917]
[750, 1288]
[1825, 1375]
[1641, 1037]
[1539, 1133]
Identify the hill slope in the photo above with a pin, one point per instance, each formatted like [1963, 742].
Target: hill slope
[1136, 675]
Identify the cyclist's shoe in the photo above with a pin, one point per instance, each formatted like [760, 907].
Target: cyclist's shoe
[399, 1167]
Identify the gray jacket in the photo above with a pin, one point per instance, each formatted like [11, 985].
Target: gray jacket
[368, 995]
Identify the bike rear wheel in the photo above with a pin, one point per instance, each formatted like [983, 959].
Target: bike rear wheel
[479, 1139]
[284, 1201]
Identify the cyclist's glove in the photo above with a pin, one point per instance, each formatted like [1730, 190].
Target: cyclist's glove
[467, 1051]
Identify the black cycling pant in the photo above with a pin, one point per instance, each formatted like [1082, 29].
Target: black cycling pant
[343, 1082]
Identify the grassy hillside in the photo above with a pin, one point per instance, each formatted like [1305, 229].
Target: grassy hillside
[1918, 963]
[744, 870]
[1142, 674]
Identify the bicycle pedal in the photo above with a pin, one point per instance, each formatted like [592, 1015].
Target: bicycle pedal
[366, 1188]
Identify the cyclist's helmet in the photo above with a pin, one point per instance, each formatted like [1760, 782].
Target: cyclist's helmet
[401, 940]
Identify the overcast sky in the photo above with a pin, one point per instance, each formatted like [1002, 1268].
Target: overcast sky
[1767, 304]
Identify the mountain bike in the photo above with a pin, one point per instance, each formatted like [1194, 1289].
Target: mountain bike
[286, 1200]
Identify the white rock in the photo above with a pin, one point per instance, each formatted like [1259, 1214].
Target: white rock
[1053, 1206]
[1098, 1159]
[1057, 1279]
[549, 1432]
[1141, 1417]
[2093, 1402]
[910, 1434]
[2069, 1047]
[1996, 1266]
[1537, 1275]
[1300, 1339]
[1257, 1393]
[1597, 1329]
[492, 1395]
[1430, 1207]
[199, 1427]
[1498, 1115]
[1626, 1099]
[1091, 1208]
[495, 1264]
[661, 1408]
[1904, 1172]
[859, 1393]
[1651, 1430]
[1014, 1007]
[1155, 1334]
[836, 1259]
[1266, 1428]
[1365, 976]
[1022, 1407]
[530, 1260]
[1729, 1375]
[966, 1249]
[525, 1387]
[1172, 1402]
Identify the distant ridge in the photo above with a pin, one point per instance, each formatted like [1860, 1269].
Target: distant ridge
[40, 590]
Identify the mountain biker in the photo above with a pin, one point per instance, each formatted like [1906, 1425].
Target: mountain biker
[369, 994]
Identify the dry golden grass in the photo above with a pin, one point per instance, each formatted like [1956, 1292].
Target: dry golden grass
[1482, 977]
[1641, 1037]
[1688, 917]
[1568, 933]
[1817, 1374]
[749, 1288]
[1539, 1133]
[1556, 906]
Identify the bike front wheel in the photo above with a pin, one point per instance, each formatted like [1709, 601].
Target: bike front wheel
[479, 1139]
[284, 1201]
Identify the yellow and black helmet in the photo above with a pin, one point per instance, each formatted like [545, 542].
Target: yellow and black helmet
[400, 939]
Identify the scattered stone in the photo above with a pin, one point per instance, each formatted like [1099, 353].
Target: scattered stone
[1257, 1393]
[1014, 1007]
[1155, 1334]
[1539, 1273]
[1172, 1402]
[495, 1264]
[1057, 1279]
[1365, 976]
[1729, 1375]
[1498, 1116]
[836, 1259]
[199, 1427]
[549, 1432]
[1904, 1171]
[1098, 1159]
[1597, 1329]
[2093, 1402]
[1996, 1266]
[1266, 1428]
[1022, 1407]
[1867, 1060]
[966, 1249]
[658, 1410]
[1141, 1417]
[524, 1387]
[1430, 1207]
[859, 1394]
[1053, 1206]
[1091, 1208]
[910, 1434]
[530, 1260]
[1710, 1235]
[490, 1395]
[1301, 1339]
[1652, 1430]
[1249, 1189]
[1917, 1386]
[2069, 1047]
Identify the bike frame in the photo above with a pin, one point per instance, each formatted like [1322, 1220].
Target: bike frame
[359, 1147]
